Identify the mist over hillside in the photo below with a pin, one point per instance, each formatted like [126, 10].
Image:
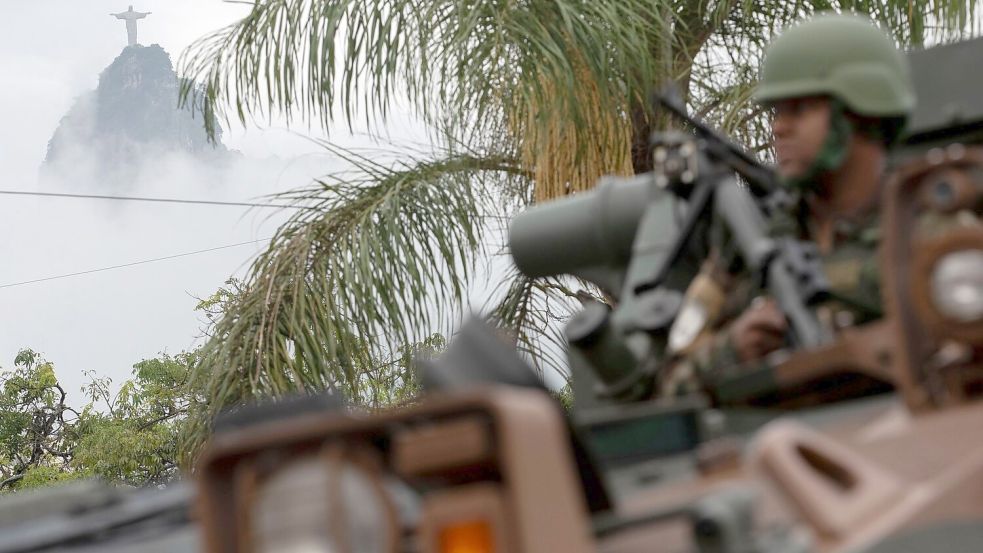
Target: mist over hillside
[106, 321]
[133, 116]
[127, 136]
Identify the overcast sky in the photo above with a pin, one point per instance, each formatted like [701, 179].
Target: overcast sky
[51, 51]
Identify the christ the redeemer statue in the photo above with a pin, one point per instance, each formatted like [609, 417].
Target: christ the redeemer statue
[131, 23]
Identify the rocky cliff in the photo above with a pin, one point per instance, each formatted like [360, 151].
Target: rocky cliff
[131, 115]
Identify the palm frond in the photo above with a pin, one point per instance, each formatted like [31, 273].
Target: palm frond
[381, 259]
[533, 311]
[501, 68]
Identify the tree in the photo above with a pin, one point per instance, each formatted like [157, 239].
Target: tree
[395, 380]
[528, 100]
[36, 424]
[128, 437]
[132, 436]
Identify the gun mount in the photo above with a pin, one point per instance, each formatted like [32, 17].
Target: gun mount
[642, 240]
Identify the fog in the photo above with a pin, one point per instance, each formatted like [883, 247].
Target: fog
[52, 51]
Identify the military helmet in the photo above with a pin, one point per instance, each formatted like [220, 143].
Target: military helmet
[842, 56]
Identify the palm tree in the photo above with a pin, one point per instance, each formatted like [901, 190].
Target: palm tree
[528, 100]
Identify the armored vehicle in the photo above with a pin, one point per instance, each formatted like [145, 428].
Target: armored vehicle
[854, 441]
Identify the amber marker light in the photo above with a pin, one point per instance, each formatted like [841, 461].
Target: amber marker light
[473, 536]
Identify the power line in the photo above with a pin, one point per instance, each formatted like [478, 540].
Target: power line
[145, 261]
[146, 199]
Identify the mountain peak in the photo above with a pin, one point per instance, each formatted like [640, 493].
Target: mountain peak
[133, 113]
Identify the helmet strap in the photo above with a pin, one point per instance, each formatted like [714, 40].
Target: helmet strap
[833, 152]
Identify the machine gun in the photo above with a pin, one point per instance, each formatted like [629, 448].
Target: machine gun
[761, 180]
[628, 237]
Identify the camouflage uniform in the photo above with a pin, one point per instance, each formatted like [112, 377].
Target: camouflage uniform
[857, 67]
[851, 267]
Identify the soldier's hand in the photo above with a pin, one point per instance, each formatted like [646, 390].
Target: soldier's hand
[759, 331]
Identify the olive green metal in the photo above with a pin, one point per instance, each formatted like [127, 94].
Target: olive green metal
[605, 348]
[843, 56]
[589, 234]
[950, 106]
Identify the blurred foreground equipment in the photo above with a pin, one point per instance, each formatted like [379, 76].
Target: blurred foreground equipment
[90, 517]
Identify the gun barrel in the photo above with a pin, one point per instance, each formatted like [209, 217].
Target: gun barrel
[759, 177]
[734, 204]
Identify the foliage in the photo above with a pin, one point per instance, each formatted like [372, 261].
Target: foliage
[527, 100]
[565, 397]
[135, 438]
[375, 381]
[36, 424]
[41, 476]
[129, 437]
[556, 80]
[345, 284]
[395, 380]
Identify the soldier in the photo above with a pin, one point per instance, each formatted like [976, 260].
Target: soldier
[839, 93]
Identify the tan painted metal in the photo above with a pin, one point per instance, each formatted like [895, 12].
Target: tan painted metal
[542, 506]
